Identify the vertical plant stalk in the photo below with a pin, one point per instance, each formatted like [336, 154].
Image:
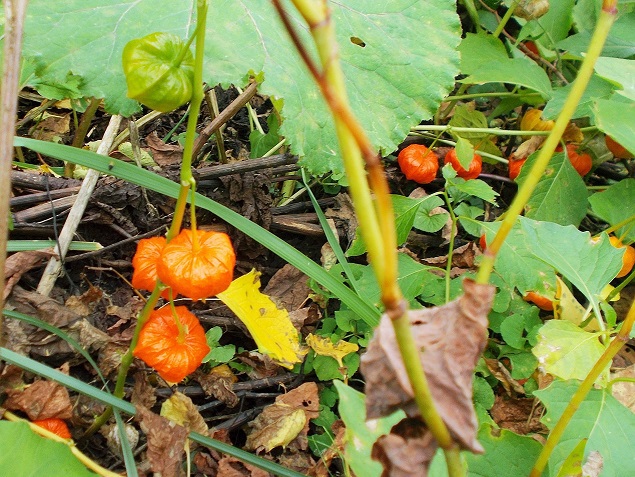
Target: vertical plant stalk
[81, 131]
[187, 184]
[187, 179]
[376, 217]
[581, 393]
[14, 13]
[54, 266]
[605, 20]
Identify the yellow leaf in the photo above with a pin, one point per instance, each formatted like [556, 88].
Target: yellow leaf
[276, 426]
[180, 409]
[325, 347]
[569, 309]
[270, 327]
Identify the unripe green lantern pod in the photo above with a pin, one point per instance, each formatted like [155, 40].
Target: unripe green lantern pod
[159, 71]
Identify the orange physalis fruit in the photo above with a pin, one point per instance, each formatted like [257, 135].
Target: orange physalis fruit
[54, 425]
[515, 165]
[474, 169]
[540, 301]
[144, 262]
[418, 163]
[619, 151]
[197, 264]
[628, 259]
[482, 242]
[172, 352]
[581, 162]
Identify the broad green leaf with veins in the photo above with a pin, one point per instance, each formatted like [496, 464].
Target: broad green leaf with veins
[609, 426]
[567, 351]
[560, 196]
[397, 76]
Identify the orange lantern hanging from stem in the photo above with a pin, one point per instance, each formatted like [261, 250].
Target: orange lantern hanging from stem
[197, 264]
[172, 342]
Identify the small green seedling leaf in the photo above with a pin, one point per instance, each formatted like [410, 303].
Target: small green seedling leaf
[567, 351]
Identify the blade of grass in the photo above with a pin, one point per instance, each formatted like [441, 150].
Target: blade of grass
[30, 245]
[162, 185]
[330, 236]
[65, 380]
[56, 331]
[126, 450]
[123, 406]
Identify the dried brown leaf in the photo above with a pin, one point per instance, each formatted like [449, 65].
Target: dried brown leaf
[162, 153]
[166, 442]
[85, 303]
[624, 391]
[286, 421]
[288, 288]
[452, 338]
[232, 467]
[519, 415]
[42, 307]
[41, 400]
[21, 262]
[219, 383]
[528, 147]
[572, 133]
[407, 451]
[143, 392]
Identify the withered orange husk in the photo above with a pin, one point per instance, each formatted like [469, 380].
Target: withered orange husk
[54, 425]
[159, 345]
[197, 272]
[144, 262]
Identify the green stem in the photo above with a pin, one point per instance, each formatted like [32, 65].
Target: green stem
[448, 267]
[581, 393]
[605, 20]
[505, 19]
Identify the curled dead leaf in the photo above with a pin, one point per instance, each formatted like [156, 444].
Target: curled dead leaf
[452, 338]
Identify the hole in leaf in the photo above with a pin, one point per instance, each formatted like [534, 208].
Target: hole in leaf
[358, 41]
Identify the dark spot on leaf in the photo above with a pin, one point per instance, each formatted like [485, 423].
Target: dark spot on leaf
[358, 41]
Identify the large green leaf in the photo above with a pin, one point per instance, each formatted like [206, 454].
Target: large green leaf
[617, 204]
[394, 80]
[560, 196]
[609, 426]
[498, 68]
[517, 452]
[587, 264]
[517, 265]
[24, 453]
[597, 88]
[617, 119]
[618, 71]
[567, 351]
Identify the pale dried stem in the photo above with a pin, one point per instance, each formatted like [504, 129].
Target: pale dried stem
[53, 268]
[14, 12]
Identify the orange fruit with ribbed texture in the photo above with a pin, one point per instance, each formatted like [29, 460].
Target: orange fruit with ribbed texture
[144, 262]
[619, 151]
[514, 166]
[197, 264]
[540, 301]
[628, 259]
[418, 163]
[472, 172]
[580, 161]
[54, 425]
[173, 348]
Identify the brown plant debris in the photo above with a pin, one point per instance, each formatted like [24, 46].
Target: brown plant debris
[286, 422]
[407, 451]
[166, 442]
[41, 400]
[21, 262]
[452, 338]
